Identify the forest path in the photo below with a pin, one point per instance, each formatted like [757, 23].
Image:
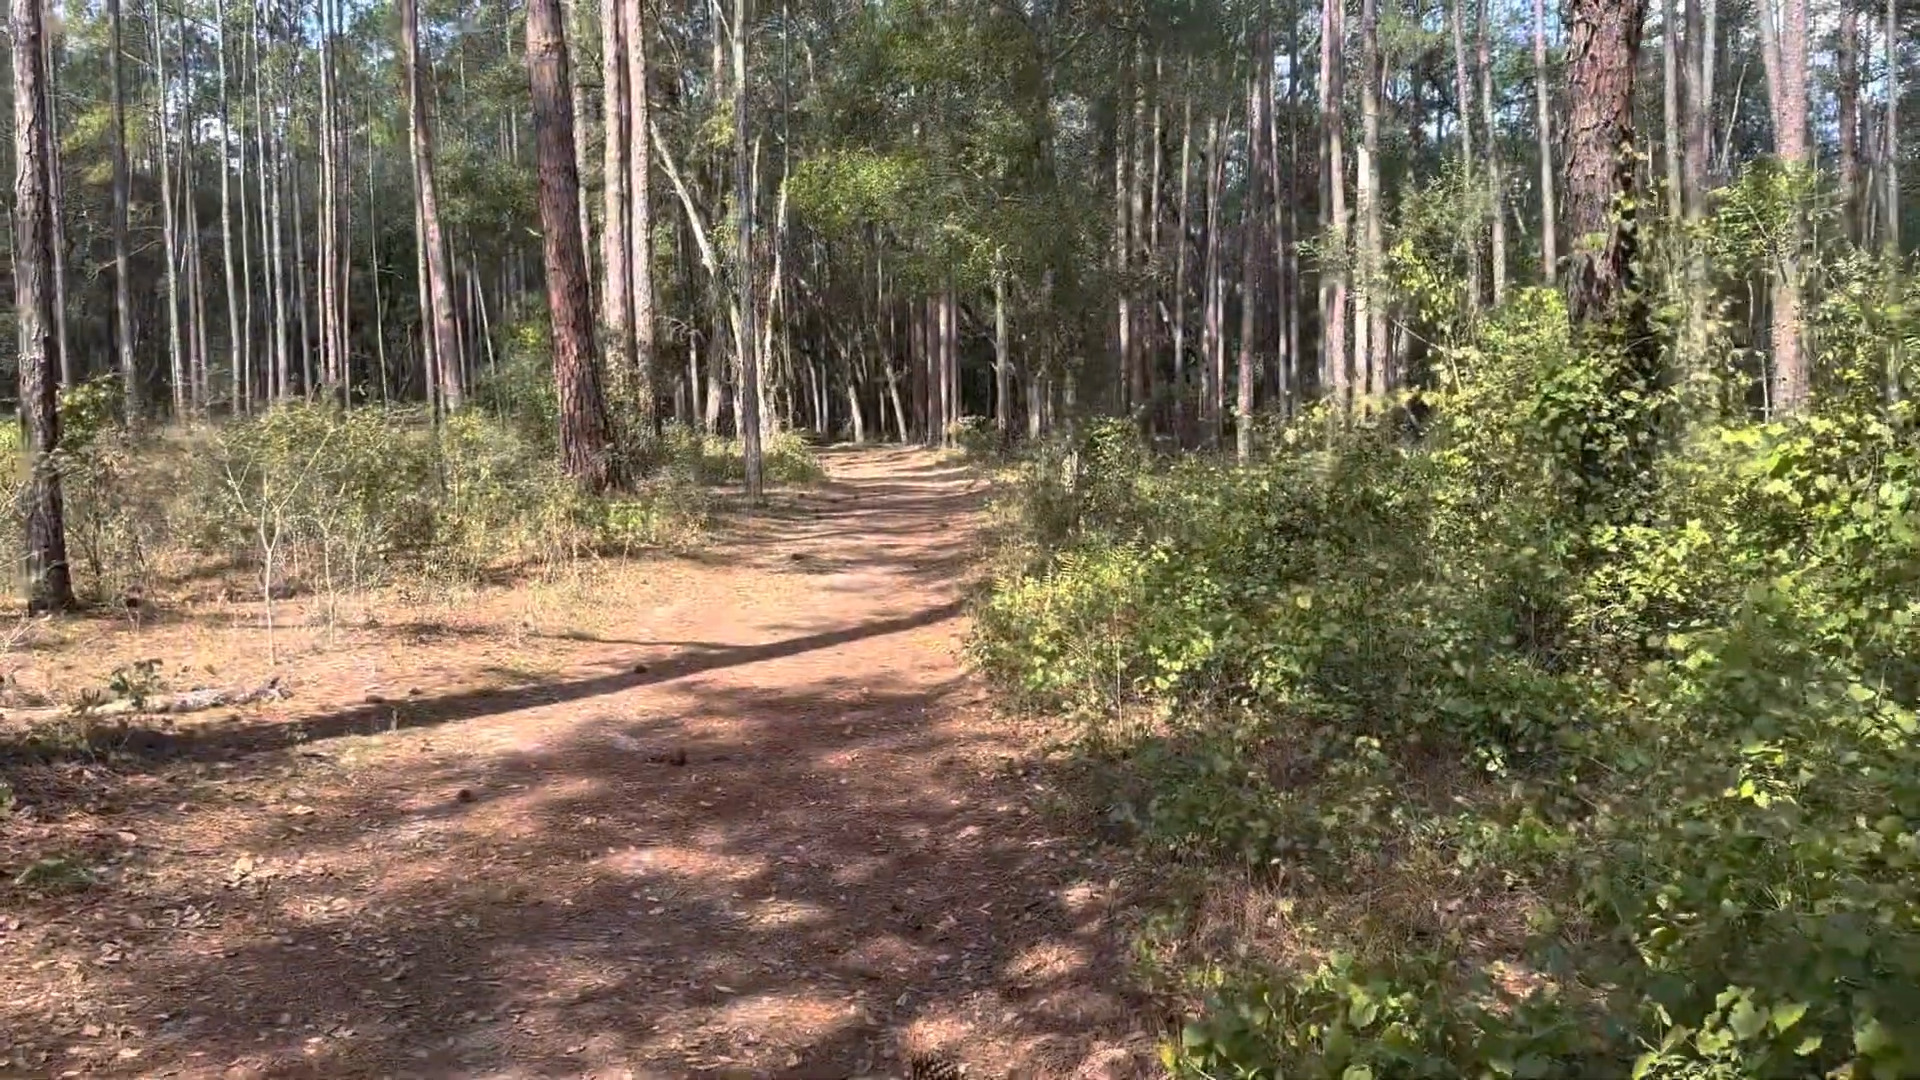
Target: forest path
[757, 823]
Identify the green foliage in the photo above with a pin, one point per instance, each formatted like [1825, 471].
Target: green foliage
[785, 457]
[308, 497]
[1678, 645]
[1346, 1021]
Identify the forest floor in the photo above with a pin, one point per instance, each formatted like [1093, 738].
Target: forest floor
[735, 814]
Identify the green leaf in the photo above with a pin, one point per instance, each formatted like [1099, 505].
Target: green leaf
[1746, 1019]
[1787, 1015]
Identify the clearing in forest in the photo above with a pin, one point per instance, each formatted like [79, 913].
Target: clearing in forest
[740, 814]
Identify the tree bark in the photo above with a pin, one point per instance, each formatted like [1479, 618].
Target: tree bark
[1698, 105]
[169, 232]
[1670, 134]
[744, 309]
[585, 441]
[1496, 178]
[1464, 90]
[122, 286]
[1603, 46]
[1543, 121]
[1253, 248]
[1892, 126]
[446, 352]
[640, 217]
[1184, 222]
[70, 370]
[1848, 78]
[48, 581]
[1002, 360]
[1784, 51]
[1213, 371]
[1336, 376]
[616, 117]
[1369, 316]
[236, 330]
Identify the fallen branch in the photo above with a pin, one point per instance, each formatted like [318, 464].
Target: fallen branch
[157, 705]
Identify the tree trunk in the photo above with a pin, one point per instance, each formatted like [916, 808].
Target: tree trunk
[1464, 90]
[1848, 79]
[1213, 369]
[1252, 247]
[69, 366]
[616, 285]
[1670, 136]
[1282, 180]
[1122, 246]
[49, 585]
[640, 218]
[1369, 317]
[301, 310]
[1543, 121]
[744, 309]
[122, 287]
[1184, 222]
[1603, 46]
[439, 292]
[1698, 104]
[1337, 376]
[585, 443]
[1002, 360]
[169, 232]
[1496, 178]
[1784, 51]
[1892, 126]
[236, 330]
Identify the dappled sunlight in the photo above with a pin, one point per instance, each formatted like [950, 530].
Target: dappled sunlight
[772, 838]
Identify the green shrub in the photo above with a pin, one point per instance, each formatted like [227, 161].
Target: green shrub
[1684, 662]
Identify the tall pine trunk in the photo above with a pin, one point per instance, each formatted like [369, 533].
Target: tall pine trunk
[1848, 89]
[169, 231]
[122, 287]
[446, 348]
[1892, 126]
[1369, 320]
[1543, 131]
[586, 446]
[616, 286]
[236, 329]
[1496, 179]
[1603, 46]
[744, 309]
[1784, 51]
[1670, 134]
[1463, 89]
[640, 217]
[1336, 370]
[69, 365]
[1252, 249]
[48, 582]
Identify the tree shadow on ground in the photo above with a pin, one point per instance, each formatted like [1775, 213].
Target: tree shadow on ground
[787, 901]
[242, 733]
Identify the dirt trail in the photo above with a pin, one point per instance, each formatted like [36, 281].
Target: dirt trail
[757, 823]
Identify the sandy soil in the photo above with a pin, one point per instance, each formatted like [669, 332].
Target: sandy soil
[736, 815]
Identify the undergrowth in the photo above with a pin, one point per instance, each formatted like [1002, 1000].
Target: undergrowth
[1456, 774]
[311, 498]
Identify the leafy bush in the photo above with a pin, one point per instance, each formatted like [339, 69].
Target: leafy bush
[1693, 714]
[785, 457]
[311, 497]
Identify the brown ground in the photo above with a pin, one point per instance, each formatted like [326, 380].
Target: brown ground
[736, 815]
